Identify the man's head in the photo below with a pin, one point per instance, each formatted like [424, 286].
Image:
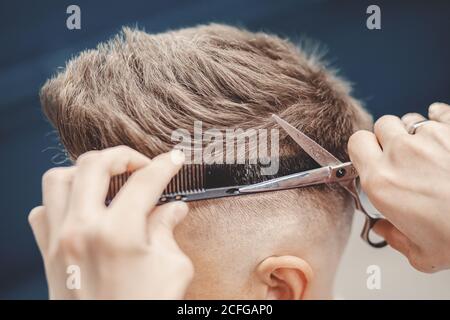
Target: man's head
[138, 88]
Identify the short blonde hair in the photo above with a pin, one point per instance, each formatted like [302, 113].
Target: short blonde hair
[137, 88]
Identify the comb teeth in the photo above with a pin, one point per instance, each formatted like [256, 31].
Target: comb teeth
[190, 179]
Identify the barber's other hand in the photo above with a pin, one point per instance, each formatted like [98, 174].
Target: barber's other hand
[123, 251]
[407, 178]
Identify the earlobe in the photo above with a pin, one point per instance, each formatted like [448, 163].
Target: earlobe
[285, 277]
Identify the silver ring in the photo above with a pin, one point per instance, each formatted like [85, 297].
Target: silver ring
[413, 128]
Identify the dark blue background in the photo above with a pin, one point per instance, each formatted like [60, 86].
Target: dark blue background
[403, 67]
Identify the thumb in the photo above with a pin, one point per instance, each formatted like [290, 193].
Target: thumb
[163, 219]
[394, 237]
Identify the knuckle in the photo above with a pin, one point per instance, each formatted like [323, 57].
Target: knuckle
[88, 158]
[355, 137]
[411, 118]
[357, 141]
[387, 118]
[53, 175]
[381, 122]
[35, 214]
[437, 109]
[102, 235]
[411, 115]
[121, 148]
[103, 240]
[71, 241]
[433, 106]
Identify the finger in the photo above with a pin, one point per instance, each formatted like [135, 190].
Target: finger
[439, 112]
[94, 170]
[56, 185]
[38, 222]
[388, 127]
[163, 220]
[410, 119]
[394, 237]
[142, 190]
[364, 151]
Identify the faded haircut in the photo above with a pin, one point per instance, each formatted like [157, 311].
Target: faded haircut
[137, 88]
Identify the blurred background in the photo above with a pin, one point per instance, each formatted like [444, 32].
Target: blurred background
[402, 67]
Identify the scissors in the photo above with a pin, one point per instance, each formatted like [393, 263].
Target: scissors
[332, 171]
[193, 182]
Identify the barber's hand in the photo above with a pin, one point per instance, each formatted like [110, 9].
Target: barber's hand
[123, 251]
[407, 178]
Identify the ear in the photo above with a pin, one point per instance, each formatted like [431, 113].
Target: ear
[285, 277]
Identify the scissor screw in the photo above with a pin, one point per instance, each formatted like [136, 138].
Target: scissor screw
[340, 173]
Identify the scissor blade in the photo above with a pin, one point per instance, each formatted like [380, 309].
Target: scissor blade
[296, 180]
[315, 151]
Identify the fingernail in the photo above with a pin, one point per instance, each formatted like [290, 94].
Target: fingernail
[177, 157]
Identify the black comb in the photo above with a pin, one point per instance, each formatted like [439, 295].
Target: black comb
[208, 181]
[193, 182]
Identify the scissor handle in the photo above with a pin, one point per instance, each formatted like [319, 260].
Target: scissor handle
[371, 219]
[366, 232]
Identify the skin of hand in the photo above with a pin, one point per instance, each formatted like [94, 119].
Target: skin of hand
[123, 251]
[407, 178]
